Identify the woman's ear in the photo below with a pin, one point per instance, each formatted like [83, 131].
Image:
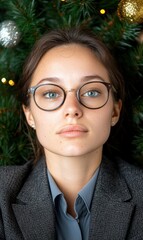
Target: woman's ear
[29, 116]
[116, 112]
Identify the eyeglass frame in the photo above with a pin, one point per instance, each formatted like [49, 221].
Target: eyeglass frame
[32, 91]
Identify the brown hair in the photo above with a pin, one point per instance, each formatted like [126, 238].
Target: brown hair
[63, 37]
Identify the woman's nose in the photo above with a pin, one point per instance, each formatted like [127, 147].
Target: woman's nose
[72, 107]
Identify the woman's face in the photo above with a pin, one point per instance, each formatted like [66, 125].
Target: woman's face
[71, 130]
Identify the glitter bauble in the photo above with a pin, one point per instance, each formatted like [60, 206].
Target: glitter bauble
[131, 10]
[9, 34]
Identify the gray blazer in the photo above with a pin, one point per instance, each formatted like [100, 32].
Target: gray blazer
[27, 211]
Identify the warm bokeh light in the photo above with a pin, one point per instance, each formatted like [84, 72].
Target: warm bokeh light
[102, 11]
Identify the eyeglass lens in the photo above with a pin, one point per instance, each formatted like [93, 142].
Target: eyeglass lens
[91, 95]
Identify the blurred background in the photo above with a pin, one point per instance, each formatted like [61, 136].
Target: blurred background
[119, 24]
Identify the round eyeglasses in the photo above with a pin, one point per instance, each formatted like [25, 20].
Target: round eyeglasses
[92, 95]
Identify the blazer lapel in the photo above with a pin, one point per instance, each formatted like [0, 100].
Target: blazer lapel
[33, 210]
[111, 208]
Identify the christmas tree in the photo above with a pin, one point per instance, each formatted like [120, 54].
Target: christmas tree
[118, 23]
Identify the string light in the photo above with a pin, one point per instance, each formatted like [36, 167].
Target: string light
[3, 80]
[11, 82]
[102, 11]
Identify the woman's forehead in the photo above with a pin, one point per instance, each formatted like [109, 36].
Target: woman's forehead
[70, 60]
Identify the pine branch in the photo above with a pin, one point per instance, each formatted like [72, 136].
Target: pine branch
[36, 17]
[15, 147]
[138, 146]
[23, 13]
[138, 130]
[138, 111]
[138, 60]
[107, 5]
[117, 34]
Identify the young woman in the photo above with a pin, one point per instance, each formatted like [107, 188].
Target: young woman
[72, 95]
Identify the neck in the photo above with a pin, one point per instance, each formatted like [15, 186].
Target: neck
[72, 173]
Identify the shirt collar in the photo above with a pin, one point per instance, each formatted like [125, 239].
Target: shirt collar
[85, 193]
[53, 186]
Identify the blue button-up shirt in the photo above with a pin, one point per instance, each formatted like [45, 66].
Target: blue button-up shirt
[67, 227]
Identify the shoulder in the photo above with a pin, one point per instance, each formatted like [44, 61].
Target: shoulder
[132, 174]
[7, 173]
[123, 168]
[121, 173]
[129, 169]
[12, 177]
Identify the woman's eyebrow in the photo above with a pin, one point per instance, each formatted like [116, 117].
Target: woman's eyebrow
[83, 79]
[49, 79]
[93, 77]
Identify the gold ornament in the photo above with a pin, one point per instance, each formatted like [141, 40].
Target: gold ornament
[131, 10]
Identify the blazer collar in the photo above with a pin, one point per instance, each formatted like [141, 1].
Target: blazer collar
[33, 209]
[112, 207]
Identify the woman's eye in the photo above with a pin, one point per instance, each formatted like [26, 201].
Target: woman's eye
[51, 95]
[92, 93]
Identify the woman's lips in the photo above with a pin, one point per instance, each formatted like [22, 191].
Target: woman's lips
[72, 131]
